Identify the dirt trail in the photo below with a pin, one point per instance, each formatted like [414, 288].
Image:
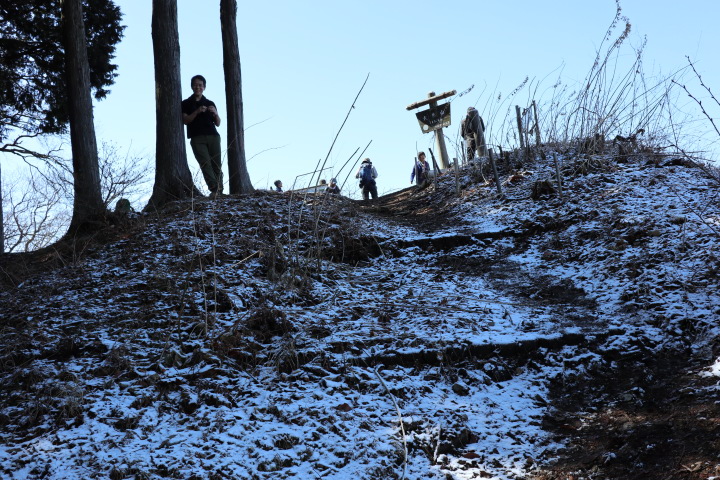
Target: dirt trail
[238, 309]
[631, 412]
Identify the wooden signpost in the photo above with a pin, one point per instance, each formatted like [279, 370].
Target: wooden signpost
[434, 119]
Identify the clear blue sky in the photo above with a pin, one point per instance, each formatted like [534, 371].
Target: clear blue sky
[304, 62]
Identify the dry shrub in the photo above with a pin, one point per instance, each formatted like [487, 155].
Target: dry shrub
[590, 164]
[267, 322]
[542, 188]
[285, 357]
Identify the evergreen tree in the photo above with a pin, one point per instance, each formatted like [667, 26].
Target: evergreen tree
[33, 89]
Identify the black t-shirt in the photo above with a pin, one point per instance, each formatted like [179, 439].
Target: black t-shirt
[204, 123]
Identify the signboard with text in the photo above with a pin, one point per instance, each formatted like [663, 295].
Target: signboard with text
[434, 118]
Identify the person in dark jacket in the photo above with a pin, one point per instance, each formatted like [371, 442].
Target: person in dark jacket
[333, 188]
[421, 169]
[471, 126]
[367, 175]
[201, 118]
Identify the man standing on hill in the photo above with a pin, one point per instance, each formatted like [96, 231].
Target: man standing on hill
[472, 126]
[367, 175]
[201, 118]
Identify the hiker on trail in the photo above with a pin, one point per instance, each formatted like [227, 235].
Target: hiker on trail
[333, 188]
[122, 206]
[471, 126]
[421, 169]
[367, 175]
[201, 118]
[278, 186]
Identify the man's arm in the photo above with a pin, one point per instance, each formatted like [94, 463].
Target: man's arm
[216, 117]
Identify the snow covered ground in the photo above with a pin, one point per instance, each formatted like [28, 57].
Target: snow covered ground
[263, 338]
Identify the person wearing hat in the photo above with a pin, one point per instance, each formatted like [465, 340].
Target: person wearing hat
[472, 126]
[333, 188]
[367, 175]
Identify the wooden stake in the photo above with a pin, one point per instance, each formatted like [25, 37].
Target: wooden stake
[435, 166]
[495, 172]
[439, 135]
[520, 128]
[457, 176]
[559, 176]
[537, 126]
[481, 147]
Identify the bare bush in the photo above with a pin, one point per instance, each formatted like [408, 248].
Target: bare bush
[616, 98]
[701, 157]
[33, 215]
[37, 201]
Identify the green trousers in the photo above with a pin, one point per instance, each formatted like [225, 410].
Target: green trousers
[206, 149]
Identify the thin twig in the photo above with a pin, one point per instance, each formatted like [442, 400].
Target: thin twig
[400, 419]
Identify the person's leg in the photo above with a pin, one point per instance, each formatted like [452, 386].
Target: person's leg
[202, 154]
[366, 192]
[373, 191]
[470, 143]
[216, 160]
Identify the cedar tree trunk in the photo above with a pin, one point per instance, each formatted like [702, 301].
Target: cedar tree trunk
[173, 180]
[237, 167]
[88, 203]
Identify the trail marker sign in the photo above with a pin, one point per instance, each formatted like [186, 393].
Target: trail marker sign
[434, 118]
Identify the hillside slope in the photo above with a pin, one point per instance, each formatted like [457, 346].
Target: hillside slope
[426, 335]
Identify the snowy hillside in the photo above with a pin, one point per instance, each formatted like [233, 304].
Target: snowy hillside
[428, 335]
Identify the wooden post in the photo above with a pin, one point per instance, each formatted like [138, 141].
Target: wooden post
[537, 126]
[559, 176]
[435, 166]
[520, 128]
[480, 142]
[457, 176]
[440, 138]
[527, 135]
[495, 172]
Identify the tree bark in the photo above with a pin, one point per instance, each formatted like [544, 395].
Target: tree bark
[237, 167]
[88, 204]
[173, 180]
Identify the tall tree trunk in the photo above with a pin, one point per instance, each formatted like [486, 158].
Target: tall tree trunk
[237, 166]
[173, 180]
[88, 204]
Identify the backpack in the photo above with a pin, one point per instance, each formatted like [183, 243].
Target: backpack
[366, 177]
[123, 206]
